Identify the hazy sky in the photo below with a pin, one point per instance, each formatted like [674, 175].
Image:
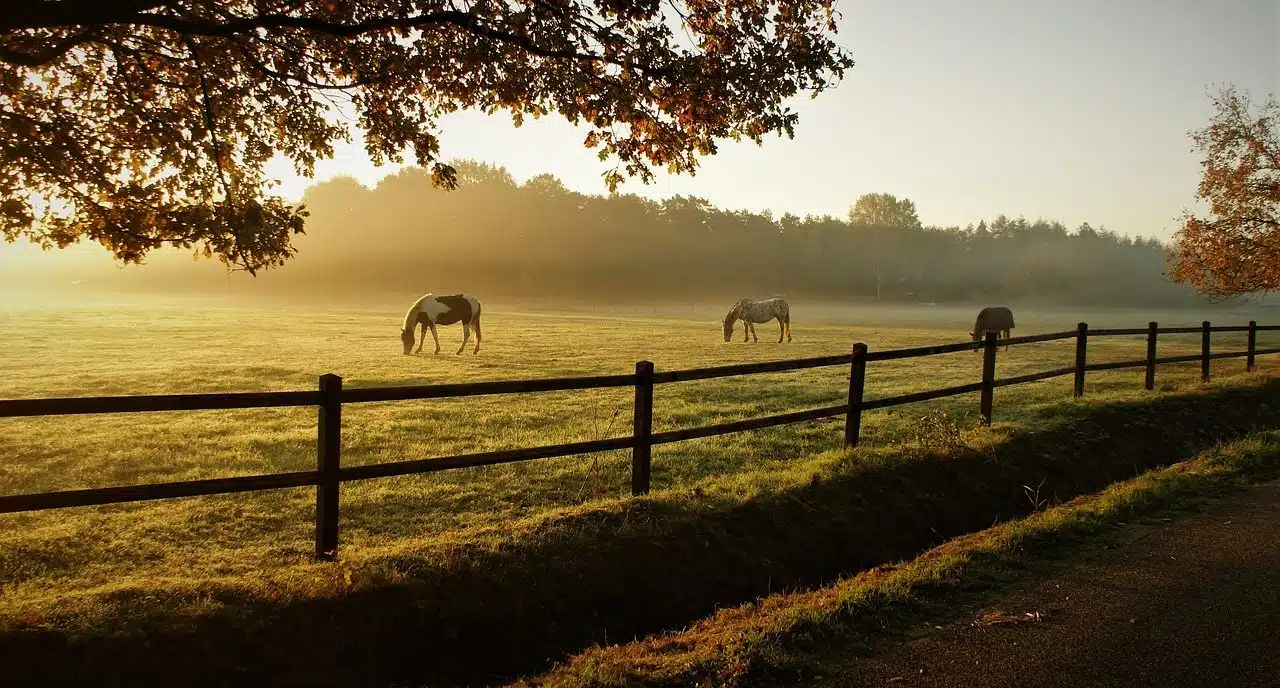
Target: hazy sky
[1076, 111]
[1071, 110]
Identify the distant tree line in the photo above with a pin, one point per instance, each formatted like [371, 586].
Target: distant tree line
[498, 238]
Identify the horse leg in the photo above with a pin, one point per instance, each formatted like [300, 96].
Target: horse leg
[422, 338]
[746, 330]
[782, 330]
[476, 324]
[436, 336]
[466, 336]
[754, 338]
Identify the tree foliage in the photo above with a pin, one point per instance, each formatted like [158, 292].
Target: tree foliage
[141, 123]
[1236, 250]
[884, 210]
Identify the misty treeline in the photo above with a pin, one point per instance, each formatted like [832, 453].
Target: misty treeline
[496, 238]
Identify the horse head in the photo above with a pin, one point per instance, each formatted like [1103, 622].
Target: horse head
[728, 327]
[406, 338]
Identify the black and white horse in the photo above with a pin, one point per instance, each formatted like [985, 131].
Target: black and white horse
[431, 310]
[751, 312]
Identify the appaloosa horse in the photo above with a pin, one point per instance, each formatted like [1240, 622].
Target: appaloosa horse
[751, 312]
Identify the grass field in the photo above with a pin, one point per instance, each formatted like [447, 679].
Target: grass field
[91, 567]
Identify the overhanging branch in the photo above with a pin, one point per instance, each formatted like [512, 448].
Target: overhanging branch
[231, 28]
[41, 14]
[47, 54]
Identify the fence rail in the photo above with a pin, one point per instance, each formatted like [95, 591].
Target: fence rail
[1035, 377]
[157, 402]
[330, 398]
[474, 389]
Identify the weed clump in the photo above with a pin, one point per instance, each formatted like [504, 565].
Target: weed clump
[937, 433]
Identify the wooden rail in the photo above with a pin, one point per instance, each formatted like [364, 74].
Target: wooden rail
[330, 397]
[474, 389]
[749, 368]
[13, 408]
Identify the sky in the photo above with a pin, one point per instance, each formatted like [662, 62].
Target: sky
[1072, 111]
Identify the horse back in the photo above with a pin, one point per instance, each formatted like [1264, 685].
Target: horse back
[994, 318]
[458, 309]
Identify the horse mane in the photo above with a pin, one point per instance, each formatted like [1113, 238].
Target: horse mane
[733, 313]
[411, 317]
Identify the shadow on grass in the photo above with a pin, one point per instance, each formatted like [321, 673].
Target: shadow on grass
[632, 568]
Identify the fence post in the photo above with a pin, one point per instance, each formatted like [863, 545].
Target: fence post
[1082, 345]
[1152, 331]
[1204, 351]
[1253, 346]
[328, 460]
[857, 380]
[642, 429]
[988, 378]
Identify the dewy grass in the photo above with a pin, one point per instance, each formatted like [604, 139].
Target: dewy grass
[746, 644]
[553, 553]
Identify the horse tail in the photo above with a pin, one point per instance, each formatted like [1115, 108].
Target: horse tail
[475, 324]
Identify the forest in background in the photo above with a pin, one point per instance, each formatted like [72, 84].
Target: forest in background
[500, 239]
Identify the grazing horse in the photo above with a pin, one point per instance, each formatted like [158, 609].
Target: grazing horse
[752, 312]
[996, 319]
[431, 310]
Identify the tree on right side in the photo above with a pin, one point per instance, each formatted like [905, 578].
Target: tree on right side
[1235, 251]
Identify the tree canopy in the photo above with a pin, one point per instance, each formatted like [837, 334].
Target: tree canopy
[1236, 250]
[143, 123]
[884, 210]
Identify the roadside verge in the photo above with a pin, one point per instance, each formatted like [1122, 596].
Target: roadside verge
[770, 639]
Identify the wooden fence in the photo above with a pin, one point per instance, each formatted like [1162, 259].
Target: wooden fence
[330, 398]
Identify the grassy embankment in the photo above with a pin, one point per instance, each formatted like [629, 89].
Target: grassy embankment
[788, 639]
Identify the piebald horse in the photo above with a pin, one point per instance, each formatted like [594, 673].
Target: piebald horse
[751, 312]
[431, 310]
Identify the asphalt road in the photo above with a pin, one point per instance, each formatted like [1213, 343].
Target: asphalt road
[1194, 602]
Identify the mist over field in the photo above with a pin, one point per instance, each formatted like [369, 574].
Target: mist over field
[541, 242]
